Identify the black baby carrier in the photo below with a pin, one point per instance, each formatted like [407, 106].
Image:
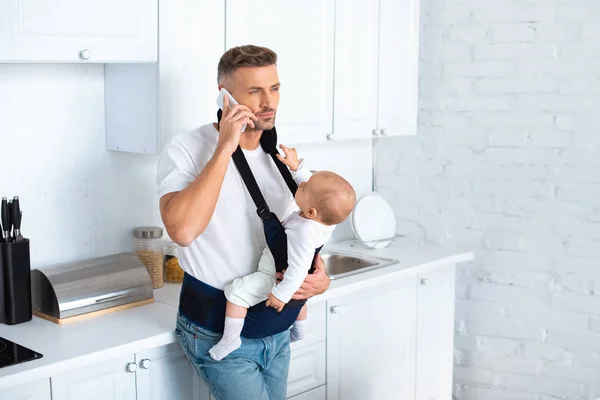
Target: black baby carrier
[205, 305]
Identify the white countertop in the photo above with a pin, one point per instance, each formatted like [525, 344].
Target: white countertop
[88, 342]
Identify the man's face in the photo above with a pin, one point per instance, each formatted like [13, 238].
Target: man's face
[258, 89]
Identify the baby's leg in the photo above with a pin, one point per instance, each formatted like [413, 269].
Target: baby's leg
[298, 329]
[234, 322]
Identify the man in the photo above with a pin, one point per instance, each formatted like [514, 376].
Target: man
[207, 210]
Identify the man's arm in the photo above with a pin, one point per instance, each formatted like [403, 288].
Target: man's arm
[314, 284]
[186, 214]
[183, 219]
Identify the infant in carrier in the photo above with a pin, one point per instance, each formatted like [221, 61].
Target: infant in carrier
[323, 200]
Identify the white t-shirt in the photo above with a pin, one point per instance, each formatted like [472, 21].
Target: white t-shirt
[233, 241]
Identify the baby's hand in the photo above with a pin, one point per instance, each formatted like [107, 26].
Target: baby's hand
[274, 302]
[291, 157]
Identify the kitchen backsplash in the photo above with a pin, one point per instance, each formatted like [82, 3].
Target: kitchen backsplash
[78, 199]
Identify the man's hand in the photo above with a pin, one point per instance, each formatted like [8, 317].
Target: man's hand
[315, 283]
[230, 127]
[291, 157]
[274, 302]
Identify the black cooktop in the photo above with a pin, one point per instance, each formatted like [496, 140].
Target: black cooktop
[12, 353]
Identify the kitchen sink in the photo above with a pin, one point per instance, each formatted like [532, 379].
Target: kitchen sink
[339, 264]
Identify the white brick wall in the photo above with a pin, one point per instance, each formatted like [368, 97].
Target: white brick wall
[507, 163]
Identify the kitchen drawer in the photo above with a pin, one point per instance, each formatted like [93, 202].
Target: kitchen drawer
[319, 393]
[315, 327]
[307, 369]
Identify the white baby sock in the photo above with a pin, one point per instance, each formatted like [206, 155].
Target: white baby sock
[230, 340]
[297, 331]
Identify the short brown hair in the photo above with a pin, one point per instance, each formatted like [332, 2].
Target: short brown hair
[244, 56]
[335, 197]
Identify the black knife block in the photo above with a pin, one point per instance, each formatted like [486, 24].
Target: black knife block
[15, 283]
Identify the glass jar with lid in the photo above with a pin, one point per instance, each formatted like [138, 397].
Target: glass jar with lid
[173, 271]
[148, 246]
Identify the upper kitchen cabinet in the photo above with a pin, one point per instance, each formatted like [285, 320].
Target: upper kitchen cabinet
[147, 104]
[356, 52]
[302, 34]
[398, 67]
[74, 31]
[376, 68]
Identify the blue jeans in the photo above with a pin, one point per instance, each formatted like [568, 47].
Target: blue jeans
[258, 370]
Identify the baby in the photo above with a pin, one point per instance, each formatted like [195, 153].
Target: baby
[323, 201]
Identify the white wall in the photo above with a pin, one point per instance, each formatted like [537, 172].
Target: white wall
[78, 199]
[507, 163]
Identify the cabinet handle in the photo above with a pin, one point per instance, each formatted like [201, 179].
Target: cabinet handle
[331, 136]
[85, 54]
[376, 132]
[383, 132]
[424, 282]
[131, 367]
[145, 363]
[333, 310]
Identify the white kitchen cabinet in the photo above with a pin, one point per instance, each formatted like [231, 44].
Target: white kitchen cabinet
[146, 105]
[371, 343]
[110, 380]
[74, 31]
[307, 369]
[38, 390]
[319, 393]
[356, 68]
[398, 67]
[166, 373]
[435, 334]
[302, 34]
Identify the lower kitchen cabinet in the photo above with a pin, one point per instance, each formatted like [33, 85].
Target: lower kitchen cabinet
[319, 393]
[39, 390]
[395, 341]
[165, 373]
[370, 343]
[307, 369]
[156, 374]
[109, 380]
[435, 334]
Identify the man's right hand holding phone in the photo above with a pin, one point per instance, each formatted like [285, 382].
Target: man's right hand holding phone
[233, 118]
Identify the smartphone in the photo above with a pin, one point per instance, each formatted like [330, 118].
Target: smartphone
[222, 93]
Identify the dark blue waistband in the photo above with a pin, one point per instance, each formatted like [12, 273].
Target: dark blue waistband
[205, 306]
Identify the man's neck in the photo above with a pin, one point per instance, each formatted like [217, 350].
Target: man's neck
[250, 140]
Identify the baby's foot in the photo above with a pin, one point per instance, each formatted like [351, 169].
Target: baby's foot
[230, 340]
[222, 349]
[298, 330]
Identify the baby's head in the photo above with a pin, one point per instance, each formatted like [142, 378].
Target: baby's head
[326, 197]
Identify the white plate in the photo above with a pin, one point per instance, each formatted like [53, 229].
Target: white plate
[373, 221]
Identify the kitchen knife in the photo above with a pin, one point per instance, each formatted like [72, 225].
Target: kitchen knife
[15, 218]
[5, 216]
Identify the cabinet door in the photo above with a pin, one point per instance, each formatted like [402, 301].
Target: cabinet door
[371, 343]
[319, 393]
[110, 380]
[188, 68]
[356, 52]
[165, 373]
[398, 67]
[78, 31]
[39, 390]
[307, 369]
[435, 334]
[185, 80]
[301, 33]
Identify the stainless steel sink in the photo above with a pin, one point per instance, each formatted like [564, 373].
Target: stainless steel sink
[339, 264]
